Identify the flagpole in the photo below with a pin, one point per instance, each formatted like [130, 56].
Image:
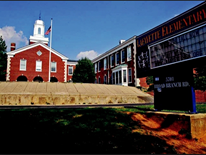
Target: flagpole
[50, 52]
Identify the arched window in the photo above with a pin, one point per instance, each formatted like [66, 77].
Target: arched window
[53, 79]
[22, 78]
[39, 30]
[38, 79]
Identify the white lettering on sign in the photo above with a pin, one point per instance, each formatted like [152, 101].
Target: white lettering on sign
[185, 84]
[159, 85]
[168, 85]
[173, 85]
[156, 78]
[169, 79]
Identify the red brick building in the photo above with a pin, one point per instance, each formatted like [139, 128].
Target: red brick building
[118, 65]
[31, 63]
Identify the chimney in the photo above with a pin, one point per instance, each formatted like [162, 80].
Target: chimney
[13, 46]
[121, 41]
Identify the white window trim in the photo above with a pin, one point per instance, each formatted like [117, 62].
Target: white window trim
[71, 68]
[121, 56]
[55, 67]
[120, 79]
[95, 67]
[128, 75]
[105, 65]
[123, 75]
[117, 78]
[111, 60]
[20, 65]
[36, 66]
[131, 53]
[99, 69]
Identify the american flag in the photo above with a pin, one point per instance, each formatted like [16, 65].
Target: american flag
[48, 31]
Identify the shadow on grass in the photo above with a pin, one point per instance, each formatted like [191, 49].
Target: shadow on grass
[74, 131]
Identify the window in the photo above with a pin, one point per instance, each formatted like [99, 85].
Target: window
[99, 80]
[70, 70]
[53, 66]
[99, 67]
[120, 76]
[129, 54]
[39, 53]
[105, 63]
[117, 78]
[22, 64]
[123, 56]
[117, 58]
[39, 30]
[105, 79]
[38, 66]
[124, 76]
[113, 78]
[95, 66]
[130, 75]
[112, 60]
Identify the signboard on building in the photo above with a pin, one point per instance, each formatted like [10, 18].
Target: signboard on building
[181, 38]
[183, 47]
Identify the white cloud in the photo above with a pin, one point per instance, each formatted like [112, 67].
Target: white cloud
[176, 15]
[89, 54]
[9, 34]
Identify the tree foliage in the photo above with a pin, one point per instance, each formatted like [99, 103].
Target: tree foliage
[200, 78]
[3, 59]
[149, 81]
[84, 71]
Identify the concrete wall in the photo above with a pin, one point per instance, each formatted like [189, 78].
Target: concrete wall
[47, 93]
[192, 125]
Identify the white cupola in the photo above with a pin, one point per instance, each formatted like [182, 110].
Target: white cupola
[38, 34]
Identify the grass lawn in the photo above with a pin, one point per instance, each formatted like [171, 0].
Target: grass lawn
[86, 130]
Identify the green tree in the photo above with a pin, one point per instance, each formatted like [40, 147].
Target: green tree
[84, 71]
[149, 81]
[3, 59]
[200, 78]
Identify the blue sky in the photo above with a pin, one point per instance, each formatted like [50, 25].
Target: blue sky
[85, 28]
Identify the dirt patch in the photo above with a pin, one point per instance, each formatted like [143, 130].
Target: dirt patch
[175, 134]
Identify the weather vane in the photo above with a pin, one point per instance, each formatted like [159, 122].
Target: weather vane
[40, 16]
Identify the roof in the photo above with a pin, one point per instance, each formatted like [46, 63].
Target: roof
[120, 66]
[72, 60]
[115, 49]
[12, 53]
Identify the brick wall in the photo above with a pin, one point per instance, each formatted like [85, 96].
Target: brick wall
[31, 56]
[143, 82]
[200, 96]
[70, 76]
